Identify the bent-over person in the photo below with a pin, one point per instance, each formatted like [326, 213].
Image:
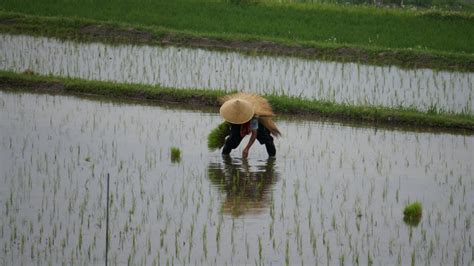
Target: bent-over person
[247, 114]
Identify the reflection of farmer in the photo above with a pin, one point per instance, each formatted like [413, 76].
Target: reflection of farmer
[248, 114]
[246, 190]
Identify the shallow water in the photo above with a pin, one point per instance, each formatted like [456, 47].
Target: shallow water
[333, 193]
[196, 68]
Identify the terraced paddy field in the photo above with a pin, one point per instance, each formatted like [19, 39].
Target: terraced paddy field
[175, 67]
[334, 194]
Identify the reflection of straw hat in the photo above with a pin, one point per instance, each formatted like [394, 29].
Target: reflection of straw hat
[237, 111]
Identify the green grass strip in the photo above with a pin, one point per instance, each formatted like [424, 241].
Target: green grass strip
[350, 34]
[366, 26]
[202, 97]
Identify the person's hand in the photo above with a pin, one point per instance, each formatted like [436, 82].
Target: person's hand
[245, 153]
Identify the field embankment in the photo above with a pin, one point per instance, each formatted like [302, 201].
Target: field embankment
[428, 39]
[282, 104]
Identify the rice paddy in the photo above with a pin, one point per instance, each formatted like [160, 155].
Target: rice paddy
[348, 83]
[334, 194]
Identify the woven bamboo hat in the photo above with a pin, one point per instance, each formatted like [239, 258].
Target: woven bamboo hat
[237, 111]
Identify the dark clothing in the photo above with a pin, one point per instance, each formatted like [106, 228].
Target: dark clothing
[263, 136]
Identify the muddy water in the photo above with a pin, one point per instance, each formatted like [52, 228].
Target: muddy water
[195, 68]
[333, 193]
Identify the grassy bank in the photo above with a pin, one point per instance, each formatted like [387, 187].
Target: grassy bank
[281, 104]
[359, 34]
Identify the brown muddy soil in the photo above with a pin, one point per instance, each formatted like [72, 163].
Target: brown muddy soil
[344, 54]
[117, 33]
[122, 34]
[37, 85]
[59, 87]
[264, 47]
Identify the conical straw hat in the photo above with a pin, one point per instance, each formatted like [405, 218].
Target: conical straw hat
[261, 106]
[237, 111]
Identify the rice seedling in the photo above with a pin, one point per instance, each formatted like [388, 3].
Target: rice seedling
[175, 155]
[341, 260]
[369, 259]
[216, 138]
[412, 213]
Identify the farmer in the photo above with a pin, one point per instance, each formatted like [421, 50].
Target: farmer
[248, 114]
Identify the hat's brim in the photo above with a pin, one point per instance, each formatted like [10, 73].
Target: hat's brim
[237, 111]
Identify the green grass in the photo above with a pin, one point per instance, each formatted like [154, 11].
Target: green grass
[368, 29]
[201, 97]
[175, 155]
[412, 213]
[344, 25]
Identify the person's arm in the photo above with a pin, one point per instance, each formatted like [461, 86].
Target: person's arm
[254, 128]
[245, 152]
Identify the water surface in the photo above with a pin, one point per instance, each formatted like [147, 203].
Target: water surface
[349, 83]
[334, 193]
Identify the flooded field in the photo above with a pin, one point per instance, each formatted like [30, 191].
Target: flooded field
[334, 194]
[350, 83]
